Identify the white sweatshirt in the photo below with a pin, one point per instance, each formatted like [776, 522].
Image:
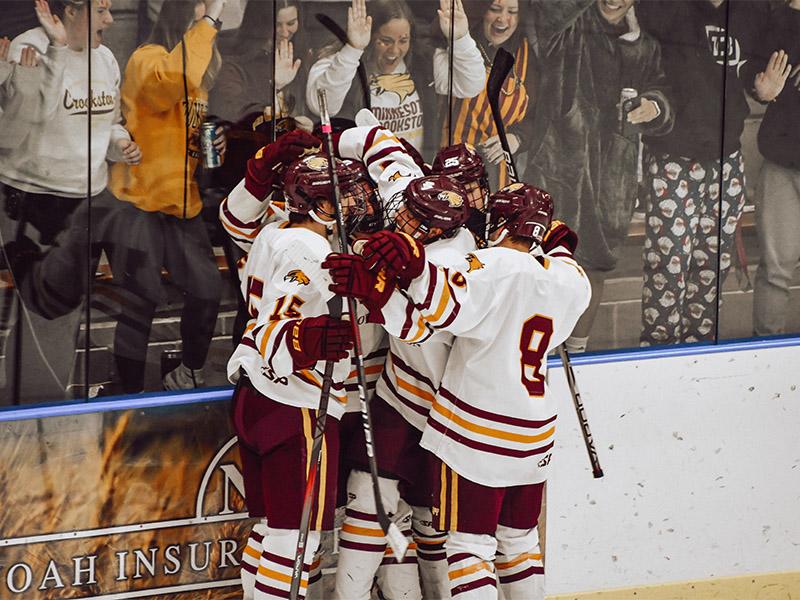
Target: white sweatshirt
[53, 156]
[20, 101]
[395, 100]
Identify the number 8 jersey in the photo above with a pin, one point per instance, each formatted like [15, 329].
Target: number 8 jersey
[493, 418]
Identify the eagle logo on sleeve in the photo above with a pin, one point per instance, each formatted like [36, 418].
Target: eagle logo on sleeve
[396, 175]
[473, 262]
[297, 276]
[397, 83]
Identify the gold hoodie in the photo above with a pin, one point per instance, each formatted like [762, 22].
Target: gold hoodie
[153, 107]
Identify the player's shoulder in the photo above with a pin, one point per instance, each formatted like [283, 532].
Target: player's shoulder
[451, 251]
[294, 240]
[500, 261]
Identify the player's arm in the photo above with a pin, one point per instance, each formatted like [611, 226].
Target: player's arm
[288, 338]
[413, 295]
[388, 162]
[242, 215]
[244, 211]
[558, 247]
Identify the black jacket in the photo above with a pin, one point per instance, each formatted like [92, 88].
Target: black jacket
[779, 135]
[581, 152]
[693, 42]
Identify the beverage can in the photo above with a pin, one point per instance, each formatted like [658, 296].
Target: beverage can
[624, 95]
[208, 135]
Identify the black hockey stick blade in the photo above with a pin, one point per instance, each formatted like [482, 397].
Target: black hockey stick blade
[341, 35]
[583, 421]
[501, 67]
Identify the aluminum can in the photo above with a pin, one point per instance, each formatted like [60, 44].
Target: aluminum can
[208, 135]
[625, 95]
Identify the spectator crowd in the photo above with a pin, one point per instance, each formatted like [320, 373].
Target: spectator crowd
[612, 106]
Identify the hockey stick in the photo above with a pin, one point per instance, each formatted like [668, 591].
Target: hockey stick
[450, 41]
[341, 35]
[274, 133]
[396, 540]
[501, 67]
[312, 479]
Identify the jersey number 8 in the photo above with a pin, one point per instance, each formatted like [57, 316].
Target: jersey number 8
[533, 344]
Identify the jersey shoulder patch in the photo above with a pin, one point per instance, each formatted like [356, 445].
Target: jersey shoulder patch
[297, 276]
[473, 262]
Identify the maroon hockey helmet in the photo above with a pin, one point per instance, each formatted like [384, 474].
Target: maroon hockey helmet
[462, 163]
[430, 207]
[307, 182]
[524, 210]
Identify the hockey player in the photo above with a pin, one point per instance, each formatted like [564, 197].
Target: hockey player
[422, 208]
[462, 163]
[244, 211]
[492, 436]
[277, 368]
[431, 210]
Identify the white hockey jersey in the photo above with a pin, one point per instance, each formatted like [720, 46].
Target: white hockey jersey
[388, 163]
[283, 282]
[392, 169]
[243, 215]
[413, 372]
[375, 345]
[493, 419]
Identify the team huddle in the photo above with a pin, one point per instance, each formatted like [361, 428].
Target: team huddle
[461, 295]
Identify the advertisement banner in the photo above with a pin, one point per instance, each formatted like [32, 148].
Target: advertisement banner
[128, 504]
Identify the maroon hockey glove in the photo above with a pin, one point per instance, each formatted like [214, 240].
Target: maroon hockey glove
[265, 169]
[319, 338]
[398, 254]
[352, 278]
[559, 235]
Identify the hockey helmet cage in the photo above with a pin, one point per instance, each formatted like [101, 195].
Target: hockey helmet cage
[462, 163]
[524, 210]
[433, 202]
[307, 182]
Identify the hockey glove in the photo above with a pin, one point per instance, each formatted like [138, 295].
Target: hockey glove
[265, 169]
[319, 338]
[398, 254]
[352, 278]
[559, 235]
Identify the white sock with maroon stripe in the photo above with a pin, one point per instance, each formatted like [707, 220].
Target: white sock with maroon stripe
[274, 578]
[315, 578]
[520, 570]
[361, 540]
[400, 579]
[470, 566]
[251, 557]
[431, 555]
